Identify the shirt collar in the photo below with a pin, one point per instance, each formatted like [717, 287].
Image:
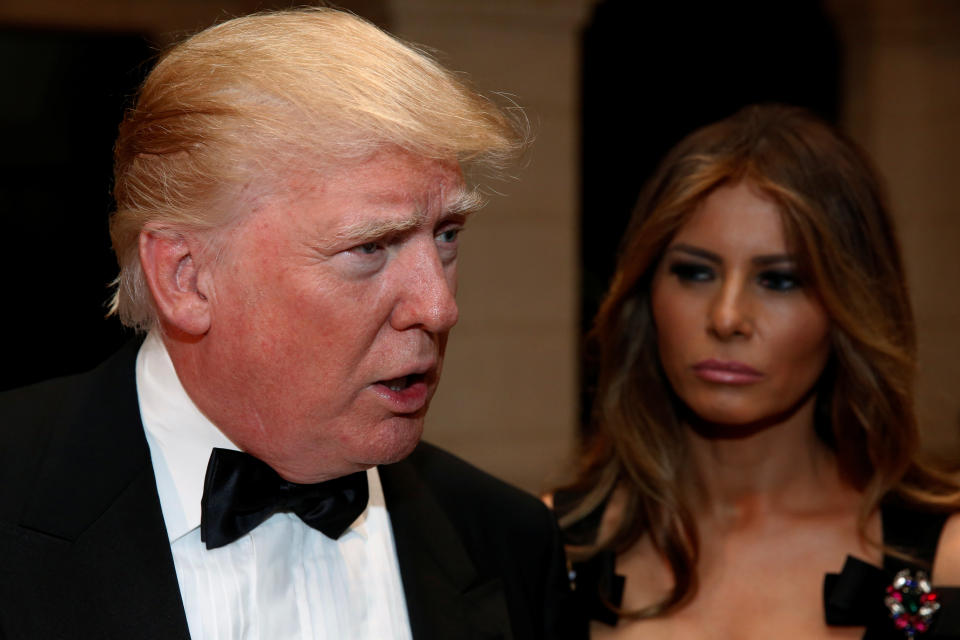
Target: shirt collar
[180, 437]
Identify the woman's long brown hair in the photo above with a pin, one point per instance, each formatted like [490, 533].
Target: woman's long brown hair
[834, 215]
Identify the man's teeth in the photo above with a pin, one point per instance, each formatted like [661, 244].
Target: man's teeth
[397, 384]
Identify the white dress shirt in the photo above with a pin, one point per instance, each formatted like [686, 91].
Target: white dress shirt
[283, 579]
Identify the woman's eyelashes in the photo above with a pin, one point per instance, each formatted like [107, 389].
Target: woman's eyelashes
[783, 279]
[779, 279]
[692, 271]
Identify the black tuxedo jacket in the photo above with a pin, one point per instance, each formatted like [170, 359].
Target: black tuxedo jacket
[84, 552]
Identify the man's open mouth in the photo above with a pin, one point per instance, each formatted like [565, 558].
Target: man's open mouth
[399, 384]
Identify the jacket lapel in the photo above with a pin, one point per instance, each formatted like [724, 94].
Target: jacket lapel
[95, 502]
[445, 595]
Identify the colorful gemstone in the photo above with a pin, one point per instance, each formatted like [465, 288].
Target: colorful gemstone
[912, 602]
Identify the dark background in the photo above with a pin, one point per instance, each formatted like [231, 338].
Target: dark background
[63, 96]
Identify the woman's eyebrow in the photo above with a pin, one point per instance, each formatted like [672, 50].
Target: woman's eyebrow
[695, 251]
[761, 260]
[773, 258]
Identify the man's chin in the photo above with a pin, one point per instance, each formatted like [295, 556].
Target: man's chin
[397, 439]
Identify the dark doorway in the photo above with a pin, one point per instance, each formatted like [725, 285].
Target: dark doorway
[63, 97]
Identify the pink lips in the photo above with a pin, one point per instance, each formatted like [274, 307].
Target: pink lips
[407, 393]
[409, 399]
[726, 372]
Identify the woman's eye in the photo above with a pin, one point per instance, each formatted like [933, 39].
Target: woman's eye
[691, 272]
[779, 280]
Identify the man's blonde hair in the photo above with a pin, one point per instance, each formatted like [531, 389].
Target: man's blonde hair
[270, 93]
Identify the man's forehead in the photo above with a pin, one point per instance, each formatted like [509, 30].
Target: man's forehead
[388, 193]
[447, 196]
[442, 194]
[386, 177]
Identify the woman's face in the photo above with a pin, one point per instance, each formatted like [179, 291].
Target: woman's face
[741, 338]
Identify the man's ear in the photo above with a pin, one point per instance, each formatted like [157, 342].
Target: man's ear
[170, 266]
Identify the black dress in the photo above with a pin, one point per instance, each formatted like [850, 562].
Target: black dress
[857, 596]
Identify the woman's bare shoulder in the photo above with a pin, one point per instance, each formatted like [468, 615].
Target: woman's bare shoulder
[946, 565]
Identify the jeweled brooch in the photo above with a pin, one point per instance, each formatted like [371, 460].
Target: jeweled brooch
[912, 602]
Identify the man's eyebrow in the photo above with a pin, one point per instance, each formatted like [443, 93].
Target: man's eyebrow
[369, 230]
[464, 202]
[461, 203]
[760, 261]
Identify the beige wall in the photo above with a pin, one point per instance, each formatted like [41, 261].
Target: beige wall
[509, 392]
[902, 103]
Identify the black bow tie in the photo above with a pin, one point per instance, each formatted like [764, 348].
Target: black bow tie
[240, 492]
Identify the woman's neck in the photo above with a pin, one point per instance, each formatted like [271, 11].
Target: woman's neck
[782, 467]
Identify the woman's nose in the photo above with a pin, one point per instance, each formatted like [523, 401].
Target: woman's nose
[730, 314]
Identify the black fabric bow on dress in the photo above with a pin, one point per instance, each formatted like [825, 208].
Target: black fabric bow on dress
[240, 492]
[597, 587]
[855, 597]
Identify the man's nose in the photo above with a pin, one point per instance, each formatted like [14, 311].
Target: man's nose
[426, 296]
[730, 315]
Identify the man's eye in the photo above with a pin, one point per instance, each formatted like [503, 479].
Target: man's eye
[368, 248]
[450, 235]
[779, 280]
[691, 272]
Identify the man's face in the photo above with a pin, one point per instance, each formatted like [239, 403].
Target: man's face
[330, 307]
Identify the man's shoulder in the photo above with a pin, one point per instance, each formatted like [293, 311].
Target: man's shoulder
[36, 401]
[28, 414]
[60, 417]
[509, 536]
[478, 501]
[44, 402]
[450, 475]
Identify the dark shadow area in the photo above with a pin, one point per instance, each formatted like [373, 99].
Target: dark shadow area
[63, 98]
[655, 71]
